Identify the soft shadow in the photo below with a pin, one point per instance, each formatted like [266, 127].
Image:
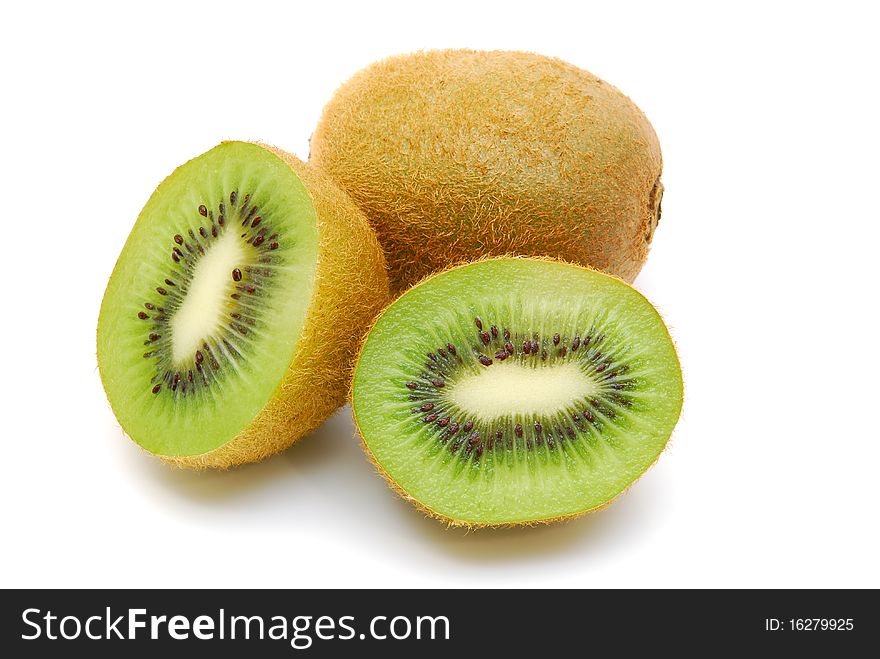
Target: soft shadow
[620, 523]
[324, 485]
[312, 452]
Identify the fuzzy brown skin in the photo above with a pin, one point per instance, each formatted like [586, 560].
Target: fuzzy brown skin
[351, 287]
[456, 154]
[452, 522]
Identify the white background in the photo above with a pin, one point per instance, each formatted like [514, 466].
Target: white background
[764, 266]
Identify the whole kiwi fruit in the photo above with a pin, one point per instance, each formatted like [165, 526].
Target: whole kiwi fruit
[232, 317]
[459, 154]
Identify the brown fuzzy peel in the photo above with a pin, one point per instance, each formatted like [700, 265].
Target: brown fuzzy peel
[456, 154]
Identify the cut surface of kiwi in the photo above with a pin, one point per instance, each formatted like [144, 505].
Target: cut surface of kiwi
[220, 338]
[513, 391]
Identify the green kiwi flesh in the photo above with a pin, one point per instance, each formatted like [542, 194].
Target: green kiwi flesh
[514, 391]
[227, 326]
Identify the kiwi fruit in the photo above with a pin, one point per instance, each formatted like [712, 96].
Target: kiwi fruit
[515, 391]
[459, 154]
[233, 314]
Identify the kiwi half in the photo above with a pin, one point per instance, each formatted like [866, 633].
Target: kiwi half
[515, 390]
[459, 154]
[230, 322]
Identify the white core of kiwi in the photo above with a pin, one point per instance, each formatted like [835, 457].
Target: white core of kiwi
[201, 313]
[509, 389]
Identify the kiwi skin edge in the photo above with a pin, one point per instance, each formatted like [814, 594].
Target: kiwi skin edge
[451, 522]
[351, 287]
